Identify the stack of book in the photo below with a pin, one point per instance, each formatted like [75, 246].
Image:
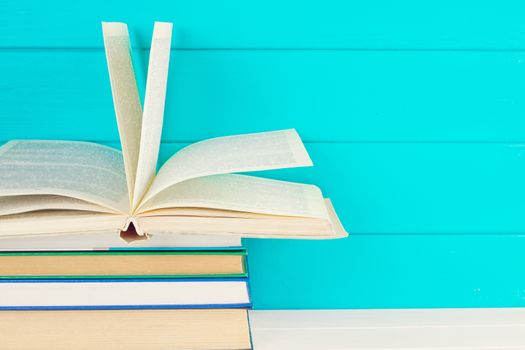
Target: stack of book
[131, 298]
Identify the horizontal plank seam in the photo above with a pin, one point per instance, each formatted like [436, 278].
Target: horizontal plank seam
[97, 49]
[520, 143]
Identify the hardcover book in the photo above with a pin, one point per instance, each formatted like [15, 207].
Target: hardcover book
[123, 293]
[197, 329]
[123, 264]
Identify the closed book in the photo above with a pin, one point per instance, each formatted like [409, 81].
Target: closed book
[223, 329]
[122, 264]
[86, 294]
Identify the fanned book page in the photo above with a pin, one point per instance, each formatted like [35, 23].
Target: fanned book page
[153, 110]
[80, 188]
[126, 100]
[240, 153]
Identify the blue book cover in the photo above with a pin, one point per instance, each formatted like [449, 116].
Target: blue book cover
[94, 294]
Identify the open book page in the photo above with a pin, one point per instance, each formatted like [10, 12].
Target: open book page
[81, 170]
[153, 109]
[126, 98]
[243, 193]
[26, 203]
[240, 153]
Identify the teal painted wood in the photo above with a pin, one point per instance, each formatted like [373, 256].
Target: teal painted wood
[407, 24]
[326, 95]
[388, 272]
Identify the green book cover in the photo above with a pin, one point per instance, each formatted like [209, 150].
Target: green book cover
[238, 252]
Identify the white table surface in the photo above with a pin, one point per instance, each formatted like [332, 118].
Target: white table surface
[435, 329]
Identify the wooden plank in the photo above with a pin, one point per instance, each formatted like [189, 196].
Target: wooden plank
[331, 24]
[396, 271]
[406, 188]
[327, 95]
[420, 329]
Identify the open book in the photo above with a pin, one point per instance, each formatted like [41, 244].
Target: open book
[60, 187]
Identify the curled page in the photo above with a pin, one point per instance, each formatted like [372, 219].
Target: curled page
[153, 109]
[230, 154]
[126, 98]
[82, 170]
[243, 193]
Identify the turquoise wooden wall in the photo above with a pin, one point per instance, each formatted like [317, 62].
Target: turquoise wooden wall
[414, 114]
